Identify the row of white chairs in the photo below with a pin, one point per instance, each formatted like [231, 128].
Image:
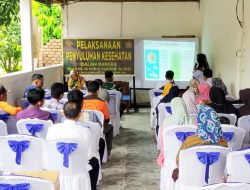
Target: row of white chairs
[174, 136]
[68, 156]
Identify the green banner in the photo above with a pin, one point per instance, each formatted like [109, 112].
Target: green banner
[95, 56]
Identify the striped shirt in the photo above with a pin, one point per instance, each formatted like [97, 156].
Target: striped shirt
[195, 140]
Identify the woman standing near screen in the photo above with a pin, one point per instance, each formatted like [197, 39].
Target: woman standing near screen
[199, 67]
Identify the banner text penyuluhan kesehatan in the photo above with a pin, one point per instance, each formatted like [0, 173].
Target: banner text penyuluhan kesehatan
[95, 56]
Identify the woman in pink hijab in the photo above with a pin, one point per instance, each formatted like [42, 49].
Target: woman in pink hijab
[203, 97]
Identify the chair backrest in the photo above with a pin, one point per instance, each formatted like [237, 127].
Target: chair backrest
[23, 103]
[112, 105]
[244, 123]
[57, 115]
[233, 135]
[21, 152]
[238, 166]
[227, 186]
[173, 137]
[68, 156]
[232, 117]
[3, 128]
[164, 111]
[10, 121]
[206, 162]
[34, 127]
[154, 93]
[32, 182]
[96, 132]
[118, 96]
[95, 116]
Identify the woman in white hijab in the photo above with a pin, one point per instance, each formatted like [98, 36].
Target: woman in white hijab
[189, 96]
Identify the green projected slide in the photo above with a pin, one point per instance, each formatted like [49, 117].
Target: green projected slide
[160, 56]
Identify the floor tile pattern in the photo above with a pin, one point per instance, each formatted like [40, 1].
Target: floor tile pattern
[132, 164]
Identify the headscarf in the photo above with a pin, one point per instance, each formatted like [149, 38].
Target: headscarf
[174, 92]
[219, 102]
[189, 96]
[209, 128]
[204, 89]
[179, 114]
[217, 82]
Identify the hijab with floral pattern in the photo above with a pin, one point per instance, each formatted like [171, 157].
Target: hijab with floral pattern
[209, 127]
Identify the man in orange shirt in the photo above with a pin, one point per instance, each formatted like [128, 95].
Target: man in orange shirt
[93, 102]
[3, 102]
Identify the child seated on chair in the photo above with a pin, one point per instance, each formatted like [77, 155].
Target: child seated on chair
[36, 82]
[170, 82]
[3, 102]
[36, 99]
[57, 91]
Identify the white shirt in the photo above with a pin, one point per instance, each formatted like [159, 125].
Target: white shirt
[71, 129]
[209, 81]
[53, 104]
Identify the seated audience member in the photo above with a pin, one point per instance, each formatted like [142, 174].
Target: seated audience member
[203, 96]
[199, 67]
[179, 117]
[245, 99]
[93, 102]
[109, 84]
[170, 82]
[76, 81]
[77, 96]
[219, 102]
[215, 82]
[3, 102]
[209, 132]
[189, 96]
[71, 128]
[36, 82]
[174, 92]
[36, 99]
[57, 91]
[103, 93]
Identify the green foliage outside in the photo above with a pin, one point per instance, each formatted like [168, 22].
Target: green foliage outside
[10, 36]
[49, 19]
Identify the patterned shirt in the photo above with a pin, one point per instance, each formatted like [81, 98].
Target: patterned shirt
[110, 86]
[53, 104]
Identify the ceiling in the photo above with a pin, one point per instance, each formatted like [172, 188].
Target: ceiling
[48, 2]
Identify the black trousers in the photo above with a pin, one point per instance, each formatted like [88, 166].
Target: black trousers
[101, 148]
[93, 174]
[108, 132]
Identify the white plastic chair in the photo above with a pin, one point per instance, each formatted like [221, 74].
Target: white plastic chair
[74, 167]
[191, 159]
[232, 117]
[238, 166]
[3, 128]
[152, 94]
[233, 135]
[30, 159]
[227, 186]
[114, 110]
[173, 137]
[10, 121]
[34, 127]
[96, 131]
[57, 115]
[23, 103]
[155, 103]
[98, 117]
[244, 123]
[35, 183]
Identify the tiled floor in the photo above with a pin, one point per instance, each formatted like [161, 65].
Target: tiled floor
[132, 164]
